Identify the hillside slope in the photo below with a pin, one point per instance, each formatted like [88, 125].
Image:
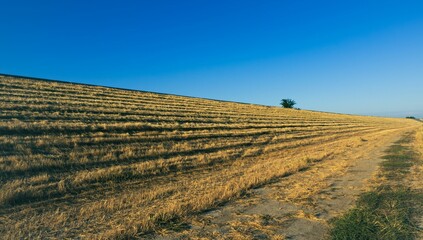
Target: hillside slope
[83, 161]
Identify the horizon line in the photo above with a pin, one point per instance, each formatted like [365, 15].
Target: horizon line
[172, 94]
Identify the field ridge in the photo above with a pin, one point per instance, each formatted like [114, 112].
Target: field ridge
[77, 159]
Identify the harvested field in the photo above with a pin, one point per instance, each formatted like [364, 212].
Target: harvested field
[79, 161]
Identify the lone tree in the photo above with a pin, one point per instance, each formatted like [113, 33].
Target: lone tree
[288, 103]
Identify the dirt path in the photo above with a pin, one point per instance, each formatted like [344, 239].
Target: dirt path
[298, 206]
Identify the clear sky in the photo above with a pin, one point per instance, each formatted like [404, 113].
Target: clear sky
[359, 57]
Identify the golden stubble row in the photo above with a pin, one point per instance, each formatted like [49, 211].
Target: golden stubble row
[91, 162]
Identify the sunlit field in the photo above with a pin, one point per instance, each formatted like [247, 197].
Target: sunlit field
[80, 161]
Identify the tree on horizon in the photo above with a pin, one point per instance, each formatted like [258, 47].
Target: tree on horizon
[288, 103]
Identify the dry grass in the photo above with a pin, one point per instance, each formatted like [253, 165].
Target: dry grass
[91, 162]
[393, 207]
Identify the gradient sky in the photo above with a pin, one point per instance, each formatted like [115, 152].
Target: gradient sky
[359, 57]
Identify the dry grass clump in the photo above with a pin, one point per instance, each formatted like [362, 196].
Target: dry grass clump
[419, 141]
[417, 169]
[90, 162]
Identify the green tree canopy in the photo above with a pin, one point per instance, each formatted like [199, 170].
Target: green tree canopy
[288, 103]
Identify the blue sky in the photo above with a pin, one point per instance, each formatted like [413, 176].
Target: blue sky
[359, 57]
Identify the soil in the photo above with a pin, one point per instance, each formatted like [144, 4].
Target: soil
[299, 206]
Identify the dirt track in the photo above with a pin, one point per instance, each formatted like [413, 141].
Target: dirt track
[298, 206]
